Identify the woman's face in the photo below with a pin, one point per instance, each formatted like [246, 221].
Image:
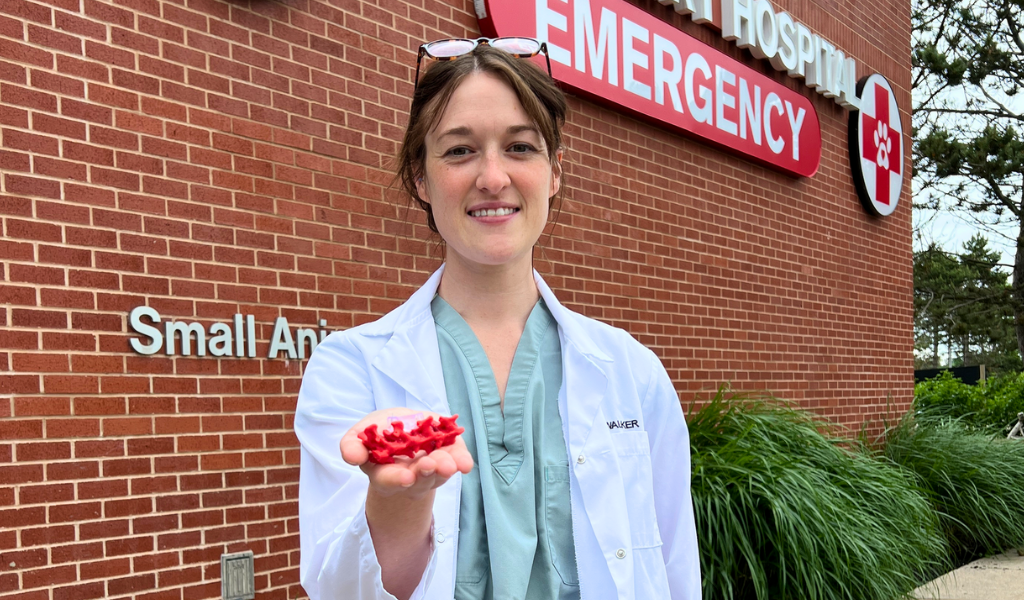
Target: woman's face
[487, 176]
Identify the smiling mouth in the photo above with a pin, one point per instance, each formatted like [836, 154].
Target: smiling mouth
[493, 212]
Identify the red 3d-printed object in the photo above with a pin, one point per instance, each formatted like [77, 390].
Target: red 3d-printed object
[428, 435]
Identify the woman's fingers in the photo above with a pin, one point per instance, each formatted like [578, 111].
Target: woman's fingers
[390, 479]
[444, 464]
[464, 462]
[460, 454]
[425, 467]
[352, 449]
[414, 476]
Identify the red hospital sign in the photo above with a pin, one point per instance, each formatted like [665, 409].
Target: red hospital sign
[876, 149]
[613, 52]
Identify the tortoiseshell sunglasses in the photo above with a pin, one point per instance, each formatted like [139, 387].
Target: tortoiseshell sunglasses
[519, 47]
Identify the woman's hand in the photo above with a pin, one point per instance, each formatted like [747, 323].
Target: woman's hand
[400, 498]
[410, 477]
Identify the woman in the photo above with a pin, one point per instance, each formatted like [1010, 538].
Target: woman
[572, 478]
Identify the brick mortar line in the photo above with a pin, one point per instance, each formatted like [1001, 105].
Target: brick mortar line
[142, 174]
[713, 208]
[284, 502]
[673, 252]
[230, 94]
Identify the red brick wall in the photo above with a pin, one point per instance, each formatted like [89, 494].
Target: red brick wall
[208, 157]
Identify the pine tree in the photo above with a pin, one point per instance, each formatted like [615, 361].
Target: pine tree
[968, 79]
[964, 303]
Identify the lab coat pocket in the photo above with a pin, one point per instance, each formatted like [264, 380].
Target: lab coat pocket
[557, 512]
[634, 455]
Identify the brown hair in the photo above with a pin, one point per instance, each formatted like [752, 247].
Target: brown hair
[543, 101]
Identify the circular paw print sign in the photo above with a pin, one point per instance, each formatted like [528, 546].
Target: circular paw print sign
[876, 146]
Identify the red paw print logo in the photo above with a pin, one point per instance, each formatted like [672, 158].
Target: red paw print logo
[883, 143]
[877, 147]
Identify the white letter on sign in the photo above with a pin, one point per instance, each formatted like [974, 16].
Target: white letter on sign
[607, 38]
[775, 143]
[838, 71]
[737, 21]
[785, 60]
[814, 76]
[549, 18]
[823, 66]
[663, 77]
[630, 58]
[135, 319]
[186, 330]
[796, 124]
[703, 114]
[700, 9]
[750, 111]
[220, 339]
[848, 97]
[804, 51]
[766, 30]
[281, 339]
[724, 99]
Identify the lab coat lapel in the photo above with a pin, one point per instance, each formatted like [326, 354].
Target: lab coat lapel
[591, 454]
[411, 357]
[585, 383]
[583, 366]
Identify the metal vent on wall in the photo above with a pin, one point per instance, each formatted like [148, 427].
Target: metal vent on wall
[237, 576]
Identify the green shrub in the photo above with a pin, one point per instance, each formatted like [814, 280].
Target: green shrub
[787, 513]
[946, 397]
[972, 479]
[1003, 399]
[988, 407]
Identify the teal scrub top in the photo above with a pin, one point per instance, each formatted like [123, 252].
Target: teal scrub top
[516, 499]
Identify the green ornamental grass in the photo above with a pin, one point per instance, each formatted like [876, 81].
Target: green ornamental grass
[785, 512]
[972, 478]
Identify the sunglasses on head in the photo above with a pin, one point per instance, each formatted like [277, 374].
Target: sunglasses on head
[519, 47]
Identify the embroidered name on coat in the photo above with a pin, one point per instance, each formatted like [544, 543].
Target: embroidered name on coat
[623, 424]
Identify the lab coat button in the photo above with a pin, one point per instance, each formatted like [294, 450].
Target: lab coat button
[582, 459]
[620, 553]
[439, 537]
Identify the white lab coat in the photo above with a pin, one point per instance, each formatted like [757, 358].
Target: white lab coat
[628, 450]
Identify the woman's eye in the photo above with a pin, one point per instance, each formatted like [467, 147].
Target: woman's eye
[521, 147]
[458, 151]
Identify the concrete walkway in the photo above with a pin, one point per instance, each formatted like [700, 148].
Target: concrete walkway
[999, 577]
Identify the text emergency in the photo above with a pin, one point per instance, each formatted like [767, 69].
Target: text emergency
[614, 52]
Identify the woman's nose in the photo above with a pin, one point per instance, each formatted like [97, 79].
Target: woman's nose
[493, 176]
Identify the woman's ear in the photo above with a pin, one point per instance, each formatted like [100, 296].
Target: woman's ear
[556, 173]
[421, 188]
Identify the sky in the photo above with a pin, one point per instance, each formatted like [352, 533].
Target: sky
[951, 229]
